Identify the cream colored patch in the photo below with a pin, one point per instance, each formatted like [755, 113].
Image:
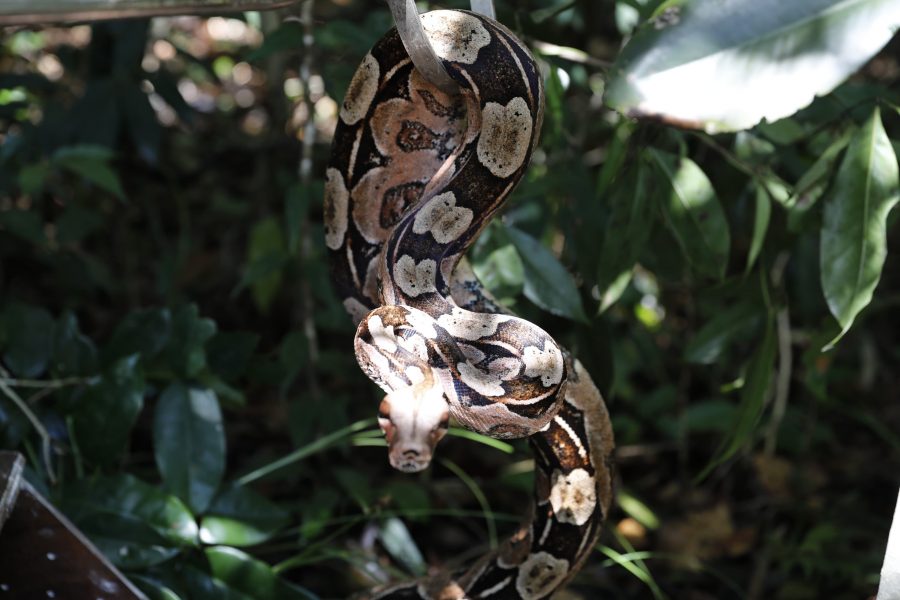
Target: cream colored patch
[415, 374]
[336, 200]
[540, 574]
[506, 368]
[546, 364]
[414, 345]
[483, 382]
[383, 337]
[442, 218]
[422, 323]
[415, 279]
[505, 136]
[467, 325]
[573, 496]
[455, 36]
[361, 92]
[472, 354]
[357, 309]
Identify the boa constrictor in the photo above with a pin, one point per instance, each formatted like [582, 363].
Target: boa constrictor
[415, 175]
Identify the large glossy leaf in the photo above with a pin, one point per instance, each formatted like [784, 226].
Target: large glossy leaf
[853, 245]
[547, 283]
[627, 230]
[29, 339]
[723, 65]
[238, 516]
[185, 351]
[729, 325]
[246, 574]
[124, 496]
[693, 214]
[189, 443]
[107, 412]
[757, 380]
[92, 163]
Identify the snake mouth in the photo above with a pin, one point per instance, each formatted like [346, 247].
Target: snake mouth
[410, 460]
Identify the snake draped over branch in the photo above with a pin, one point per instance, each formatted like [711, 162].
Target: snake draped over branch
[415, 175]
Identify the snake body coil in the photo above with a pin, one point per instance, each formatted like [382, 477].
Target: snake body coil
[415, 175]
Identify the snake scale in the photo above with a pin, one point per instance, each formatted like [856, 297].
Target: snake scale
[415, 174]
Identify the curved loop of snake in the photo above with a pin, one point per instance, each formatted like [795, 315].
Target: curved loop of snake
[415, 175]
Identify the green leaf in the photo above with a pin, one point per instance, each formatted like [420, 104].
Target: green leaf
[126, 541]
[91, 163]
[185, 350]
[266, 255]
[814, 183]
[33, 177]
[288, 36]
[501, 272]
[238, 516]
[760, 225]
[189, 443]
[627, 230]
[73, 353]
[727, 326]
[128, 496]
[200, 585]
[143, 332]
[693, 214]
[723, 65]
[155, 590]
[253, 577]
[853, 244]
[229, 353]
[399, 543]
[107, 412]
[547, 283]
[753, 398]
[76, 223]
[24, 224]
[29, 340]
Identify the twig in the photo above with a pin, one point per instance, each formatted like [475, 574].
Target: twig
[33, 419]
[40, 383]
[304, 172]
[785, 362]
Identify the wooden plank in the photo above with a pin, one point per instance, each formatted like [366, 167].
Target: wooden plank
[44, 556]
[29, 12]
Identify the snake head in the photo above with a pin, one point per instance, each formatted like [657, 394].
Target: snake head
[413, 419]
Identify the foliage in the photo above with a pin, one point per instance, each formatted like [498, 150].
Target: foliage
[179, 373]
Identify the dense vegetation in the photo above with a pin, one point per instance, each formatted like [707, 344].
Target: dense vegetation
[179, 373]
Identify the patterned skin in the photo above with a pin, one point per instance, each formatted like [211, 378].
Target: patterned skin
[415, 175]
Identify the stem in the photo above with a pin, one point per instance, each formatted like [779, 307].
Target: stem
[35, 422]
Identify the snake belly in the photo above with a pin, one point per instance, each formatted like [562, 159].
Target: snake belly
[414, 177]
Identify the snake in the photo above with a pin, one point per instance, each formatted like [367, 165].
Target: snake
[414, 176]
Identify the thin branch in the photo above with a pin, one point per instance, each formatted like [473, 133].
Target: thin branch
[46, 441]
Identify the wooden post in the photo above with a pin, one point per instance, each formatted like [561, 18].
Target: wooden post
[42, 554]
